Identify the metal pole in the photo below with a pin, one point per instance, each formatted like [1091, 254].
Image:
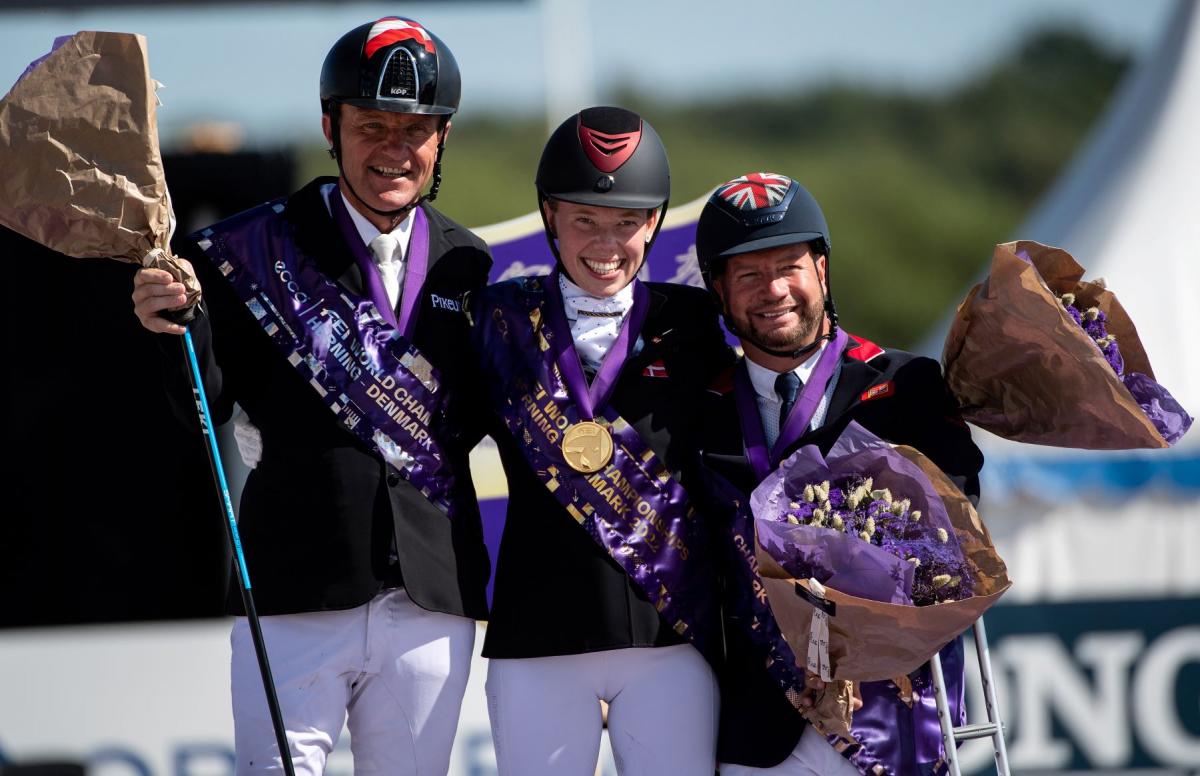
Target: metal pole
[231, 532]
[989, 698]
[943, 709]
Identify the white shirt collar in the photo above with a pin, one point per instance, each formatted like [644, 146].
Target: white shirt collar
[763, 379]
[575, 297]
[368, 231]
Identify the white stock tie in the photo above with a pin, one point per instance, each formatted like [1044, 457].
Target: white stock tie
[385, 249]
[595, 321]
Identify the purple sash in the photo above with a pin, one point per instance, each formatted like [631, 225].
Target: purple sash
[379, 385]
[632, 507]
[562, 348]
[796, 426]
[416, 264]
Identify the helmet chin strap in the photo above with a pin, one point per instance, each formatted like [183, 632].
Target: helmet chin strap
[558, 262]
[829, 313]
[397, 214]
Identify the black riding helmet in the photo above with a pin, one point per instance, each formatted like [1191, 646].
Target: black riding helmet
[396, 65]
[755, 212]
[606, 157]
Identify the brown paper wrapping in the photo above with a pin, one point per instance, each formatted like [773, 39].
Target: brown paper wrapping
[79, 148]
[1021, 368]
[872, 640]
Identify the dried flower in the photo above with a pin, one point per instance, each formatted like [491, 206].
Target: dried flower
[850, 505]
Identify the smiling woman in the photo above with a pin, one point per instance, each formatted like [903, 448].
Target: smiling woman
[594, 374]
[601, 248]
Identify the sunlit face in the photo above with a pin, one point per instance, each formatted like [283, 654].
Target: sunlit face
[601, 247]
[387, 157]
[775, 297]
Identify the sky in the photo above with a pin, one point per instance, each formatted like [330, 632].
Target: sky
[258, 65]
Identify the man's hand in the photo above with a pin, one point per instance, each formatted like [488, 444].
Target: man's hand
[814, 689]
[155, 290]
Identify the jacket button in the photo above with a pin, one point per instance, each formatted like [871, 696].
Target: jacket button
[393, 479]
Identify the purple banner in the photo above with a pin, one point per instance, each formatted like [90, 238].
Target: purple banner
[376, 383]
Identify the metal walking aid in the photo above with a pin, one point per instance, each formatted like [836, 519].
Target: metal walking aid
[993, 728]
[235, 542]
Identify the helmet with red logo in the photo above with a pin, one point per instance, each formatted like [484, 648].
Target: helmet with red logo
[607, 157]
[756, 212]
[392, 64]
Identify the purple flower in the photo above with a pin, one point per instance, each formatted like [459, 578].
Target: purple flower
[885, 521]
[1168, 417]
[1166, 414]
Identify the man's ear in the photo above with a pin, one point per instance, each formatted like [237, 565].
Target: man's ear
[819, 260]
[327, 128]
[718, 284]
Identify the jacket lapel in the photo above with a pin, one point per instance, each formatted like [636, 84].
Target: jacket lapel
[855, 377]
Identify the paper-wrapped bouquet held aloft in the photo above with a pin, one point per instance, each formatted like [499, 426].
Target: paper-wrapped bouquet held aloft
[79, 148]
[1036, 354]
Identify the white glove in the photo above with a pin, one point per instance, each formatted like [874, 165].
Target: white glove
[248, 438]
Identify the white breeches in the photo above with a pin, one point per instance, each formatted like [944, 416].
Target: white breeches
[662, 715]
[813, 756]
[390, 671]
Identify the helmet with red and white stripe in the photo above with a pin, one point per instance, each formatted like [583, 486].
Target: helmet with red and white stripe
[392, 64]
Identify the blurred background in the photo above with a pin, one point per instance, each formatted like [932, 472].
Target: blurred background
[928, 130]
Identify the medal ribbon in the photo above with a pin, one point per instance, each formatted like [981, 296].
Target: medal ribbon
[796, 426]
[588, 397]
[416, 264]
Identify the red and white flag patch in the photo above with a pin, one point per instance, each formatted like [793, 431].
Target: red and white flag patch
[657, 369]
[880, 391]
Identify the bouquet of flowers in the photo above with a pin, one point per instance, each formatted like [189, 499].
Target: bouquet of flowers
[871, 561]
[1036, 354]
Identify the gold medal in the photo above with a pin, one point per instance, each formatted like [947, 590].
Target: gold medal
[587, 446]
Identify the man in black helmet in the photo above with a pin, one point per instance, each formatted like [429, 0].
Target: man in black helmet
[763, 247]
[332, 318]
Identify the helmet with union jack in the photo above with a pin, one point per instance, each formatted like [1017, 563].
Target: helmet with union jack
[755, 212]
[391, 64]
